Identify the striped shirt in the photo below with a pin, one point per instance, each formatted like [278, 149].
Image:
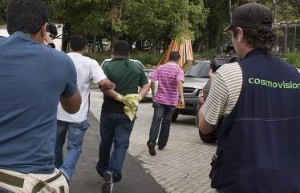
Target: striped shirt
[167, 76]
[224, 92]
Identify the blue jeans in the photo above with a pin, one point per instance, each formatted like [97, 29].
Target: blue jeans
[114, 128]
[161, 123]
[75, 133]
[3, 190]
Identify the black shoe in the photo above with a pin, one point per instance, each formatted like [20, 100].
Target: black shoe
[108, 183]
[160, 147]
[98, 171]
[152, 151]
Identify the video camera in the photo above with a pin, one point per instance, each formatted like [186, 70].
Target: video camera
[228, 56]
[51, 28]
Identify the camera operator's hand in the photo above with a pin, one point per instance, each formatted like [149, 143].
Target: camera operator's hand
[48, 40]
[211, 75]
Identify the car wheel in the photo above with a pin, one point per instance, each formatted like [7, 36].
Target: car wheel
[175, 115]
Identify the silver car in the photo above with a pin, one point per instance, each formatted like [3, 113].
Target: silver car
[195, 78]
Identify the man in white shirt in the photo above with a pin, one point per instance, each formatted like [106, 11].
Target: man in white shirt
[75, 125]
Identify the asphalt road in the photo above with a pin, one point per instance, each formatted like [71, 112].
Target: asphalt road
[87, 180]
[181, 167]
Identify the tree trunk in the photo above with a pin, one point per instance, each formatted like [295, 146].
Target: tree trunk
[115, 22]
[94, 43]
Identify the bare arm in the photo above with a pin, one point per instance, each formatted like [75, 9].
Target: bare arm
[110, 93]
[203, 125]
[180, 90]
[71, 104]
[106, 84]
[153, 88]
[144, 90]
[108, 87]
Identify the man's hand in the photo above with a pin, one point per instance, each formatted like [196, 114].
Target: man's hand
[181, 103]
[119, 98]
[48, 40]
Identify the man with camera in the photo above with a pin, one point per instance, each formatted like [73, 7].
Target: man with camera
[254, 108]
[34, 78]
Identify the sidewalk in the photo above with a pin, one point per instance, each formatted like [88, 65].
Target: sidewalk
[183, 166]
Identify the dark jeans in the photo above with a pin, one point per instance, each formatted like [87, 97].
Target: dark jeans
[3, 190]
[161, 123]
[114, 128]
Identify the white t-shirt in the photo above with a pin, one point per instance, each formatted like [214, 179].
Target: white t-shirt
[87, 70]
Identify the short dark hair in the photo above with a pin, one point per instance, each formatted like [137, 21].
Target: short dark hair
[27, 16]
[262, 38]
[78, 42]
[121, 48]
[174, 56]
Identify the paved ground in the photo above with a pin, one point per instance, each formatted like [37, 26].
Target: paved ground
[87, 180]
[183, 166]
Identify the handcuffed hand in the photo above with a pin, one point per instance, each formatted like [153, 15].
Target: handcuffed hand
[119, 98]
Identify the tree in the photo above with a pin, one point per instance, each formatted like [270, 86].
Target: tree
[3, 5]
[157, 22]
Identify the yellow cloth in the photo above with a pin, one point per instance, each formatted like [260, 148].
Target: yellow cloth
[131, 103]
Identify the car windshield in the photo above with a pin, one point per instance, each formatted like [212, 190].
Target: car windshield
[198, 70]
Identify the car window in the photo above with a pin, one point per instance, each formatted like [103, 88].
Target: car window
[198, 70]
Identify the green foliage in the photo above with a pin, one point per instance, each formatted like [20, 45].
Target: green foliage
[294, 59]
[98, 56]
[150, 60]
[153, 23]
[159, 21]
[205, 55]
[3, 5]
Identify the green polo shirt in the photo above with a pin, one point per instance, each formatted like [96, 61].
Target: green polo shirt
[127, 76]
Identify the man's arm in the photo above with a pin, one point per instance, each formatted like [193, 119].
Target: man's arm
[106, 84]
[203, 125]
[111, 93]
[71, 104]
[180, 90]
[118, 97]
[144, 90]
[153, 88]
[214, 106]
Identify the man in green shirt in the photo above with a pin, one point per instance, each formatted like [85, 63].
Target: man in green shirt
[115, 123]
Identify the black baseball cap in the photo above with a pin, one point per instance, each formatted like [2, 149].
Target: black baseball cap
[251, 15]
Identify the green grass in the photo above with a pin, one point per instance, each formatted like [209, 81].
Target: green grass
[294, 59]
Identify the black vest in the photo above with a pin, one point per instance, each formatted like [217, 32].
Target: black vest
[259, 141]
